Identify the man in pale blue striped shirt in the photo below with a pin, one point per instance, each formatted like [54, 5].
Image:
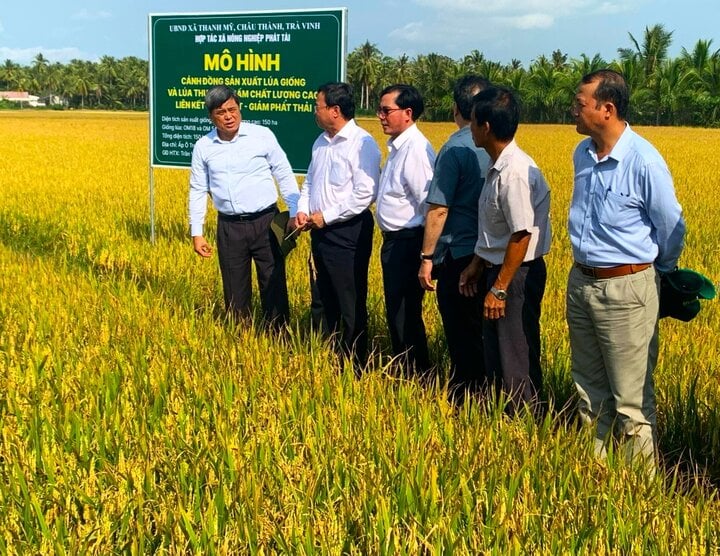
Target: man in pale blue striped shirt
[235, 163]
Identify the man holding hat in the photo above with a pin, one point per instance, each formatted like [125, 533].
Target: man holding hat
[626, 227]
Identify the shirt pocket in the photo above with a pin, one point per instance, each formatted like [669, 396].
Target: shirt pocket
[339, 173]
[494, 218]
[619, 211]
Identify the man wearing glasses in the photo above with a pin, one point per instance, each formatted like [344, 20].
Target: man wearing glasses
[236, 163]
[400, 214]
[334, 203]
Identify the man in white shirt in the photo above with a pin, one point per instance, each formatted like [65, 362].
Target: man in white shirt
[400, 212]
[235, 163]
[340, 186]
[508, 270]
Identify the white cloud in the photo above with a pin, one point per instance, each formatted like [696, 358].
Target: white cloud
[411, 32]
[526, 8]
[86, 15]
[529, 21]
[25, 56]
[609, 8]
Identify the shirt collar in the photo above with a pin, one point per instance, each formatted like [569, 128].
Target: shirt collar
[346, 132]
[620, 149]
[504, 158]
[403, 138]
[216, 138]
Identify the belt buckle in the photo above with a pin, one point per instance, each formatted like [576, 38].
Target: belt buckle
[586, 270]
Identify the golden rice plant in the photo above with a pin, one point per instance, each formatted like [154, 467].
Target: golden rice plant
[135, 418]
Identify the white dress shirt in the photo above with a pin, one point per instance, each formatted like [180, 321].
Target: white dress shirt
[341, 181]
[238, 174]
[404, 181]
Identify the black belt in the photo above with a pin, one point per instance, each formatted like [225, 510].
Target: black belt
[246, 216]
[405, 233]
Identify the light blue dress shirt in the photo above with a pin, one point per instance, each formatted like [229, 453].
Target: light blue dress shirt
[238, 174]
[624, 209]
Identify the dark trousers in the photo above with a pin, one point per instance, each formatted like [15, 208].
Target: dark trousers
[342, 256]
[462, 322]
[317, 315]
[512, 343]
[400, 257]
[240, 242]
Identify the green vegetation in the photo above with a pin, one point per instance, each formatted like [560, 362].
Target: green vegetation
[135, 419]
[665, 91]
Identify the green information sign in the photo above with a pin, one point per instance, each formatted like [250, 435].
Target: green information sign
[274, 60]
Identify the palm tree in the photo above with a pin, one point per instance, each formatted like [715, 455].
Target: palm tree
[434, 77]
[402, 70]
[703, 67]
[364, 65]
[133, 80]
[81, 79]
[650, 56]
[107, 74]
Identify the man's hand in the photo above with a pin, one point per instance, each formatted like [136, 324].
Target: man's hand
[201, 246]
[301, 219]
[468, 284]
[291, 225]
[316, 221]
[493, 307]
[425, 275]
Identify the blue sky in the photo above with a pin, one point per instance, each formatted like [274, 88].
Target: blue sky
[501, 29]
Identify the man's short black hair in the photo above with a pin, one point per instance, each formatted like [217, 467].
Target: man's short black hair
[407, 97]
[340, 95]
[464, 91]
[612, 87]
[498, 107]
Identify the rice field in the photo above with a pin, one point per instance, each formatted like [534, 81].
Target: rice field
[135, 419]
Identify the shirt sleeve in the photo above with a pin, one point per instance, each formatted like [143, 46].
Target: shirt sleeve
[445, 179]
[365, 168]
[516, 202]
[199, 189]
[418, 172]
[665, 213]
[304, 200]
[283, 173]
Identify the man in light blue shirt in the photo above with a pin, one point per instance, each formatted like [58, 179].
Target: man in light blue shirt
[625, 226]
[236, 163]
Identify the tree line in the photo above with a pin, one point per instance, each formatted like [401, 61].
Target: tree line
[109, 83]
[664, 91]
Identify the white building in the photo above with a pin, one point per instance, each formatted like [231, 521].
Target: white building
[21, 97]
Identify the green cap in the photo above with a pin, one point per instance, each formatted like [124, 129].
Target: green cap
[279, 230]
[681, 291]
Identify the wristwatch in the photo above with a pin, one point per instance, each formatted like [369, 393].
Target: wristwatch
[500, 294]
[424, 257]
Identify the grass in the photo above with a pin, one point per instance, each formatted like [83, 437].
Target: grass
[135, 419]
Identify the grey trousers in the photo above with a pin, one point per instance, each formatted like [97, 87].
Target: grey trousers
[613, 326]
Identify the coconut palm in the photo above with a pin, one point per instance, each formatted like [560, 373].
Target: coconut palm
[364, 65]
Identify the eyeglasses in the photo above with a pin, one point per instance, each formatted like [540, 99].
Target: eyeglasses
[384, 111]
[318, 107]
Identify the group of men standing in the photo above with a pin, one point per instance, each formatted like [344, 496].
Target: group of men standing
[472, 224]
